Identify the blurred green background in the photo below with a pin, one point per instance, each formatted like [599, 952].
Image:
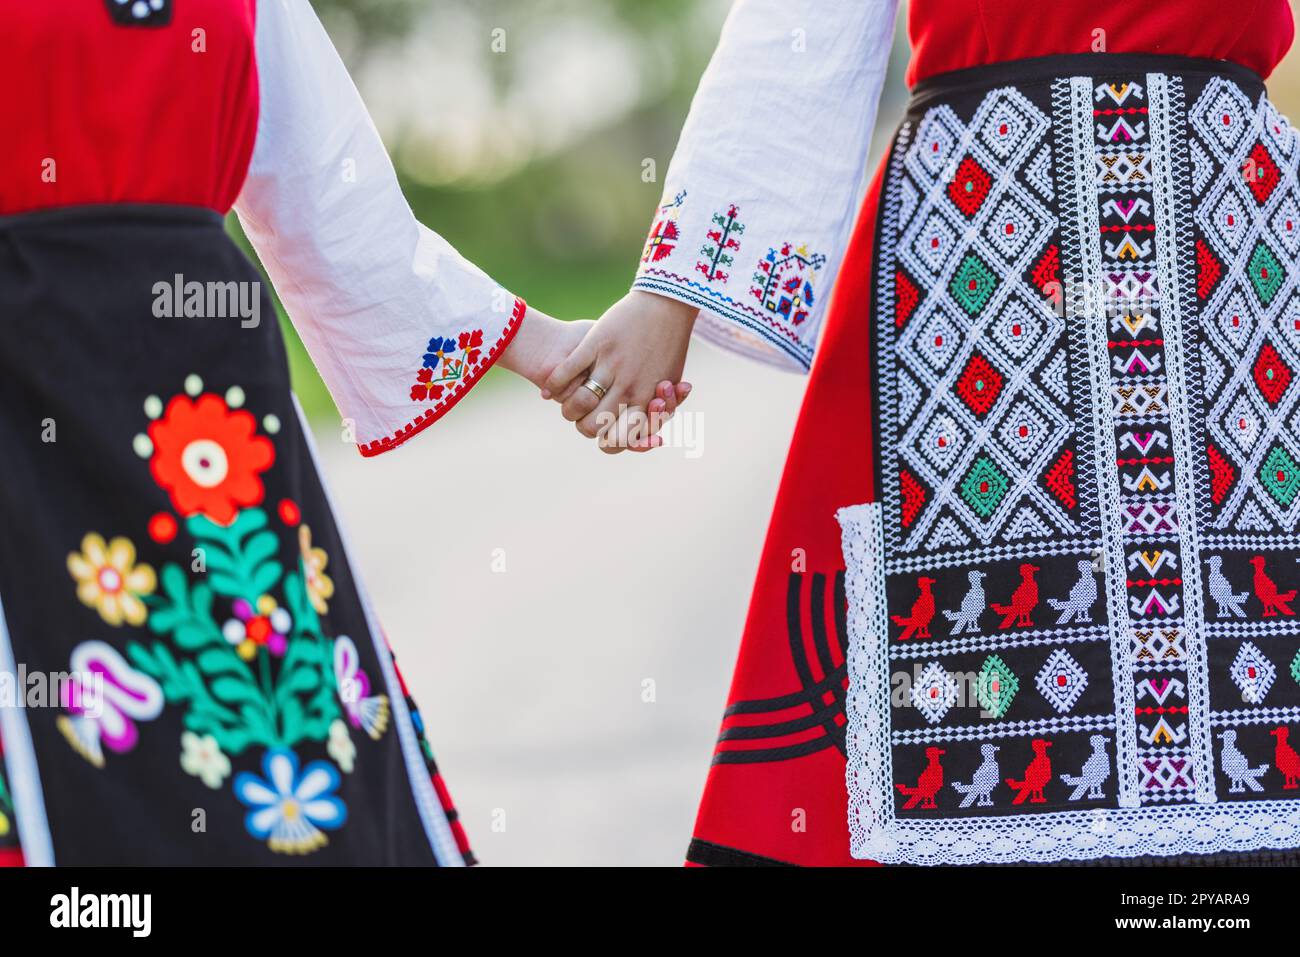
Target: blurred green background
[520, 130]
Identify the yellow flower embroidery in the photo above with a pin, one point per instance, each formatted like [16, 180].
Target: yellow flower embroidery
[110, 581]
[320, 588]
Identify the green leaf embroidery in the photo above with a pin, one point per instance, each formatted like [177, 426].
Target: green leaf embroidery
[240, 557]
[274, 704]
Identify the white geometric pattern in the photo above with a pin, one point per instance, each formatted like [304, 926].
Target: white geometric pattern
[1253, 673]
[934, 692]
[1241, 421]
[1015, 331]
[1061, 680]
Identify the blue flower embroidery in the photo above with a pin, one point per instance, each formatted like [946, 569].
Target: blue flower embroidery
[438, 347]
[288, 809]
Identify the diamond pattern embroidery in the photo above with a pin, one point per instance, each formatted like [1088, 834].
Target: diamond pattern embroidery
[1272, 375]
[1265, 272]
[996, 686]
[1061, 680]
[984, 233]
[1280, 476]
[984, 486]
[934, 692]
[979, 386]
[973, 284]
[969, 187]
[1252, 673]
[1261, 173]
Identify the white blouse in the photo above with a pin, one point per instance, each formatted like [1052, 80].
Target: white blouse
[763, 190]
[399, 324]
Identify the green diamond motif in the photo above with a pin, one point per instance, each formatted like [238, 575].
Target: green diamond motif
[1280, 476]
[984, 486]
[1266, 273]
[973, 284]
[1295, 667]
[997, 684]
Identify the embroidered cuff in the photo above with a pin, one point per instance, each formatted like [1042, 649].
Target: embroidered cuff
[755, 297]
[451, 365]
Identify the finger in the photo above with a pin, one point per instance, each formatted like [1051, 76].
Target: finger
[666, 395]
[571, 366]
[629, 431]
[656, 413]
[583, 401]
[683, 389]
[563, 396]
[603, 415]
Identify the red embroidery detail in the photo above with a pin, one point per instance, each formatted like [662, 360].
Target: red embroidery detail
[452, 393]
[1023, 601]
[917, 624]
[1060, 479]
[1272, 375]
[1260, 173]
[1267, 592]
[664, 233]
[1046, 275]
[722, 244]
[1037, 775]
[913, 495]
[785, 281]
[1286, 759]
[979, 385]
[1208, 270]
[163, 528]
[906, 297]
[927, 785]
[969, 187]
[1222, 475]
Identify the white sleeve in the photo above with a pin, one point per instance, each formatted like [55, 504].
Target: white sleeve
[762, 192]
[398, 323]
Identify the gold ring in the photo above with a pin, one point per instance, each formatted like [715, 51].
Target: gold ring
[595, 387]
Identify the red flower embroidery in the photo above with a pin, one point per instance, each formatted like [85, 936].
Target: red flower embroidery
[424, 388]
[471, 343]
[208, 458]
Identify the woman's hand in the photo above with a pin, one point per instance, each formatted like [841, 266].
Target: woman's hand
[636, 349]
[541, 343]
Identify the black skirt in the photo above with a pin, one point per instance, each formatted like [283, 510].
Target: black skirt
[200, 678]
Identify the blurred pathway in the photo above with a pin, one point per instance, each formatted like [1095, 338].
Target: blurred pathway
[617, 570]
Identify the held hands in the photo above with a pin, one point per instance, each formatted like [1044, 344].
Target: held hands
[634, 354]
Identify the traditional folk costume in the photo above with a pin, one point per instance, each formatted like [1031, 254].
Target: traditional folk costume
[1029, 593]
[168, 545]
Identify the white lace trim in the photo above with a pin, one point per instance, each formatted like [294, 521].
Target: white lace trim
[1168, 152]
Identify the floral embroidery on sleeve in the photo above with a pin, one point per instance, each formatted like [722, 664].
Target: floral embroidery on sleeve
[450, 367]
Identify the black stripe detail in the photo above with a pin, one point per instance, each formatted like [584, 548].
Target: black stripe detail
[715, 855]
[759, 756]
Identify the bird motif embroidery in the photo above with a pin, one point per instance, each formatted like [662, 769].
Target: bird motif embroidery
[927, 785]
[1286, 759]
[1236, 767]
[1023, 601]
[987, 777]
[1077, 606]
[966, 618]
[1093, 774]
[1037, 776]
[1267, 592]
[917, 624]
[1230, 603]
